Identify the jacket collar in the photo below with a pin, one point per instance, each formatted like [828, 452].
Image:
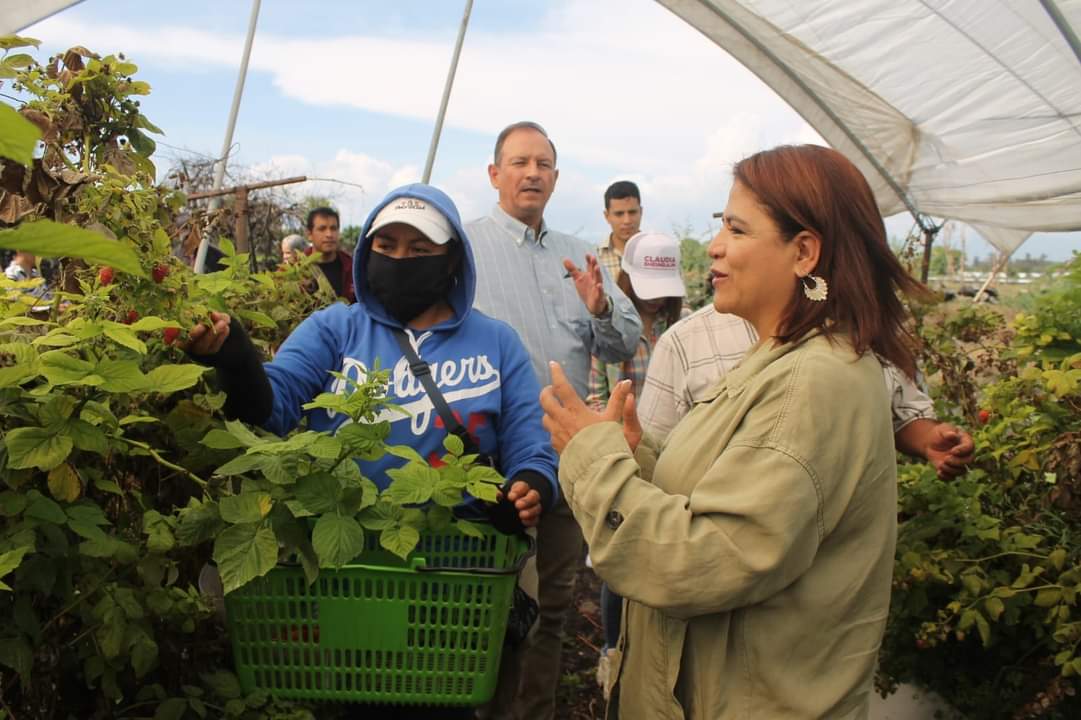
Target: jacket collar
[521, 232]
[761, 356]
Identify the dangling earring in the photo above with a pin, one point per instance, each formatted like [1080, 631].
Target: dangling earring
[818, 291]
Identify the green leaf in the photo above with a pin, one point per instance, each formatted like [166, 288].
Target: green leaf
[10, 561]
[151, 323]
[221, 440]
[17, 655]
[119, 376]
[318, 492]
[64, 483]
[454, 444]
[159, 533]
[241, 432]
[412, 484]
[400, 540]
[258, 318]
[87, 512]
[11, 503]
[243, 553]
[406, 453]
[137, 420]
[380, 516]
[1048, 597]
[198, 522]
[31, 447]
[59, 368]
[1057, 558]
[984, 629]
[172, 378]
[46, 238]
[356, 497]
[9, 42]
[144, 656]
[469, 529]
[172, 709]
[337, 540]
[245, 508]
[240, 465]
[87, 437]
[18, 136]
[325, 447]
[123, 335]
[995, 607]
[223, 683]
[440, 518]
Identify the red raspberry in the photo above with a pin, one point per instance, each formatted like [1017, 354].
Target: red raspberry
[131, 317]
[105, 275]
[984, 416]
[170, 335]
[159, 273]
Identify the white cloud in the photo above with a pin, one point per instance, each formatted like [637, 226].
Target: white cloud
[619, 85]
[602, 97]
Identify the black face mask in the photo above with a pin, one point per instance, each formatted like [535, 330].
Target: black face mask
[406, 287]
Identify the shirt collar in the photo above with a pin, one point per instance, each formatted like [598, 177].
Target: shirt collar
[758, 359]
[610, 246]
[521, 232]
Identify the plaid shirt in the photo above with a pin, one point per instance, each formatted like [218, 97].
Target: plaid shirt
[610, 258]
[604, 376]
[692, 357]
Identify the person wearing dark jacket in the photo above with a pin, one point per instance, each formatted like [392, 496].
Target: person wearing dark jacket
[334, 264]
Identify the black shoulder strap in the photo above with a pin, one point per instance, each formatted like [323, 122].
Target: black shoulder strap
[421, 371]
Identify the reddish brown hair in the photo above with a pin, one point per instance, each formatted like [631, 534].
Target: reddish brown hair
[813, 188]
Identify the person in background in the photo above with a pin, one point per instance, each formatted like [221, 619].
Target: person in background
[623, 213]
[324, 234]
[525, 276]
[23, 267]
[650, 277]
[698, 351]
[291, 247]
[755, 545]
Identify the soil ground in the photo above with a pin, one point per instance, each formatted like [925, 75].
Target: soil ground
[579, 696]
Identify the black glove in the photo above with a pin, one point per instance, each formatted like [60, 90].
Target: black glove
[248, 394]
[504, 516]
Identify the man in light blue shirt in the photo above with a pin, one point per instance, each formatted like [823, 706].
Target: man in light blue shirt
[527, 277]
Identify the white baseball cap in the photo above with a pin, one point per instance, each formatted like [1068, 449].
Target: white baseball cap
[651, 260]
[418, 214]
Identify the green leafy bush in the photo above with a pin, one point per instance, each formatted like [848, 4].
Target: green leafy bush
[985, 604]
[119, 477]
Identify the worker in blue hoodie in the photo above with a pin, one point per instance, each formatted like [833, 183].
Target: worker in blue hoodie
[413, 270]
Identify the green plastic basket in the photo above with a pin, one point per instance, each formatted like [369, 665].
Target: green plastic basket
[428, 631]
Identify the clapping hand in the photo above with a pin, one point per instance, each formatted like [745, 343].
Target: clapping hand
[565, 414]
[589, 283]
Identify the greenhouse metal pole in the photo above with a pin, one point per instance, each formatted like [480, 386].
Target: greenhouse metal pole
[238, 92]
[446, 93]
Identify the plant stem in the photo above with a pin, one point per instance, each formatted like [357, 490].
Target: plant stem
[162, 461]
[82, 598]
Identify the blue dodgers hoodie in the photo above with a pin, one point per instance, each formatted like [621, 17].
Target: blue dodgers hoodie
[478, 363]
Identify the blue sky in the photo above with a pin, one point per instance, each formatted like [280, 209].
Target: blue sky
[349, 90]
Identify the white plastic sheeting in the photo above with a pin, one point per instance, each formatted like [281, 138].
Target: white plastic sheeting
[961, 109]
[18, 14]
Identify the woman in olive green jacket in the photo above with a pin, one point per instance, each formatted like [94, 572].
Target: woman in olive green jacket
[755, 549]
